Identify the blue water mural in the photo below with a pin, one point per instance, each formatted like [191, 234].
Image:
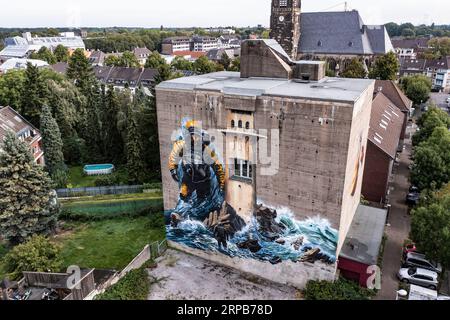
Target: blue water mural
[202, 186]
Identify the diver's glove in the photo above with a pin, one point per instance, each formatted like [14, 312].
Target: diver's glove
[174, 174]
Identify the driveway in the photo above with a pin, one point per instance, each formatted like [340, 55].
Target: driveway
[399, 226]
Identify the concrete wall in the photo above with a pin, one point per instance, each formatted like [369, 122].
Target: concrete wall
[289, 273]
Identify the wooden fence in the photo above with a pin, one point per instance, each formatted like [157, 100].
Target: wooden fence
[150, 251]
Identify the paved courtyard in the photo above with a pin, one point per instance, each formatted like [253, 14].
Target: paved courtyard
[186, 277]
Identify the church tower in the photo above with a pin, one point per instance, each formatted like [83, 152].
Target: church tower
[285, 25]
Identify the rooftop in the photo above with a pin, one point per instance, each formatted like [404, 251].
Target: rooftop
[10, 120]
[391, 90]
[386, 124]
[230, 83]
[364, 238]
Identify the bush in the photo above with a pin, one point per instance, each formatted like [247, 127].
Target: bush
[339, 290]
[36, 255]
[106, 181]
[134, 286]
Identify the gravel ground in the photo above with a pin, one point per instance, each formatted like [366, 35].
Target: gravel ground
[185, 277]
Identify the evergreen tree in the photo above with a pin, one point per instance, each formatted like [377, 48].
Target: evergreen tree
[33, 93]
[225, 61]
[111, 137]
[61, 53]
[28, 206]
[135, 160]
[81, 71]
[355, 69]
[53, 146]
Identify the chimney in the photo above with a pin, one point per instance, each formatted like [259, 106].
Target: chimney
[309, 70]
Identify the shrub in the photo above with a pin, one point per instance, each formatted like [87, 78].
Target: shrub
[36, 255]
[340, 290]
[134, 286]
[106, 181]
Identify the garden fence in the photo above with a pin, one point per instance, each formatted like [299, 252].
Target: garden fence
[96, 191]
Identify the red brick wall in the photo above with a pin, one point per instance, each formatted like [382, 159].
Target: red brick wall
[354, 271]
[376, 174]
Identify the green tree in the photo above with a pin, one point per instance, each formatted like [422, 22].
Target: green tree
[428, 122]
[53, 147]
[155, 60]
[61, 53]
[112, 61]
[355, 69]
[385, 67]
[129, 60]
[45, 54]
[38, 254]
[225, 61]
[27, 204]
[339, 290]
[112, 139]
[417, 88]
[203, 65]
[408, 33]
[81, 71]
[180, 63]
[33, 93]
[235, 65]
[11, 89]
[440, 47]
[431, 167]
[430, 229]
[135, 159]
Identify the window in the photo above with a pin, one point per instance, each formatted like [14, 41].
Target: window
[243, 169]
[283, 3]
[240, 124]
[233, 124]
[247, 125]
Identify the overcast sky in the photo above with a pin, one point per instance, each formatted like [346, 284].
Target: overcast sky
[186, 13]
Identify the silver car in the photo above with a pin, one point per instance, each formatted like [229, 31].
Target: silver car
[421, 277]
[419, 260]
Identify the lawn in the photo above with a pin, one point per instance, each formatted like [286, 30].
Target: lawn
[77, 178]
[109, 244]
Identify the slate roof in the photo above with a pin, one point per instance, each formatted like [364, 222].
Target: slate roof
[341, 33]
[97, 57]
[394, 93]
[365, 236]
[442, 64]
[386, 124]
[410, 43]
[118, 76]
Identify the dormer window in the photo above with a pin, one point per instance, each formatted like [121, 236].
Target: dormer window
[319, 43]
[350, 44]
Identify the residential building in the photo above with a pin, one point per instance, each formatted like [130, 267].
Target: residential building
[204, 43]
[119, 77]
[17, 64]
[317, 126]
[216, 54]
[142, 54]
[393, 92]
[224, 31]
[175, 44]
[386, 125]
[437, 70]
[189, 55]
[22, 47]
[410, 48]
[12, 121]
[336, 37]
[229, 41]
[97, 58]
[363, 245]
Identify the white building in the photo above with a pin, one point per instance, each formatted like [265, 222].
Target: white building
[21, 47]
[204, 44]
[16, 63]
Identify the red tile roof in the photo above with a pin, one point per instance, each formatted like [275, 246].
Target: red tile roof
[193, 54]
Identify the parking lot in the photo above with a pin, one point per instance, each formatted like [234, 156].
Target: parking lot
[440, 99]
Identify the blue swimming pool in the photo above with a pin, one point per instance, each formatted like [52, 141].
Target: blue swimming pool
[98, 169]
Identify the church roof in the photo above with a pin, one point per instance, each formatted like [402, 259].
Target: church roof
[341, 33]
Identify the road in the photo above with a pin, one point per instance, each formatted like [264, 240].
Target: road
[440, 99]
[399, 226]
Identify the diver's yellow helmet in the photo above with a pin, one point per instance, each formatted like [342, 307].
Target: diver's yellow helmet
[193, 124]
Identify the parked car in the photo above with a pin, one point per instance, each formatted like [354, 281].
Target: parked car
[408, 249]
[413, 198]
[414, 259]
[418, 276]
[448, 100]
[414, 189]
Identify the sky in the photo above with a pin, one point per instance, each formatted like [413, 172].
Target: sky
[203, 13]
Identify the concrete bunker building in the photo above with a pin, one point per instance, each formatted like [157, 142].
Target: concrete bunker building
[320, 128]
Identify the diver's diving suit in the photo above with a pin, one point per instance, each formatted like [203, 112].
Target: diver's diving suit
[196, 169]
